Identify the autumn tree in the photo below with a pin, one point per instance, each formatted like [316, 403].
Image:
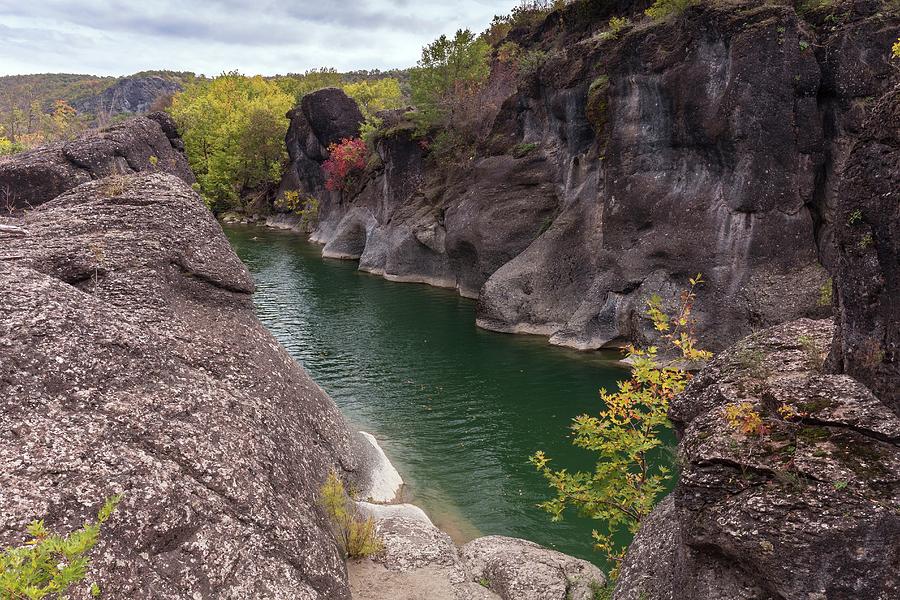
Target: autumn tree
[375, 95]
[629, 476]
[233, 128]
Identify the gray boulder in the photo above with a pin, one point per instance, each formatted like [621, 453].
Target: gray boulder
[131, 362]
[521, 570]
[140, 144]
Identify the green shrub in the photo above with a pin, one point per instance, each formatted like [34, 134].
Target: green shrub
[8, 147]
[624, 486]
[616, 25]
[355, 534]
[597, 103]
[306, 208]
[825, 293]
[664, 8]
[808, 6]
[49, 565]
[530, 63]
[524, 149]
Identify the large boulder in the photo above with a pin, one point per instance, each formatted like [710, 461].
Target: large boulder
[419, 561]
[867, 271]
[148, 143]
[521, 570]
[131, 363]
[803, 504]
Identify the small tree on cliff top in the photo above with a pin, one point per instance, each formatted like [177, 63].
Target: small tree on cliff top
[448, 67]
[624, 486]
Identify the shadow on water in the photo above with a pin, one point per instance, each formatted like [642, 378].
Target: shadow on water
[458, 409]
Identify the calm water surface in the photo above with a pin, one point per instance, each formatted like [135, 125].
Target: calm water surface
[458, 409]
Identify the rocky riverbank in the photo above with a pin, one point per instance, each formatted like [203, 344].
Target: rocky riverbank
[131, 363]
[421, 561]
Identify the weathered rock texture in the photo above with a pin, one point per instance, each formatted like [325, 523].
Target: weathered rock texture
[129, 95]
[712, 142]
[131, 362]
[148, 143]
[806, 508]
[867, 271]
[420, 561]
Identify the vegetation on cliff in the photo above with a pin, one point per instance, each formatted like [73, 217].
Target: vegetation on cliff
[234, 128]
[29, 105]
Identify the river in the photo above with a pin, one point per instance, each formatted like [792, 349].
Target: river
[456, 408]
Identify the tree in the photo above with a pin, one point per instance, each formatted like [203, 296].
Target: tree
[298, 85]
[450, 68]
[375, 95]
[626, 436]
[233, 128]
[63, 121]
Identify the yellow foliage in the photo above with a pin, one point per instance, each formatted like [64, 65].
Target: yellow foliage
[744, 418]
[355, 534]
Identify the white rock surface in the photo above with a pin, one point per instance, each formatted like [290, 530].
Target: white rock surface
[385, 481]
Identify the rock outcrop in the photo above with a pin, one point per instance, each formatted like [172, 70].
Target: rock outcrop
[867, 271]
[803, 504]
[131, 363]
[128, 96]
[714, 141]
[421, 561]
[148, 143]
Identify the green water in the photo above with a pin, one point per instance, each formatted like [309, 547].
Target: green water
[457, 409]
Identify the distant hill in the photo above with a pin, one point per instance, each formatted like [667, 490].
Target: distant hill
[129, 95]
[26, 99]
[46, 88]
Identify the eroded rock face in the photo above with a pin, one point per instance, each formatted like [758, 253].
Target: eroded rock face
[148, 143]
[807, 507]
[131, 362]
[867, 270]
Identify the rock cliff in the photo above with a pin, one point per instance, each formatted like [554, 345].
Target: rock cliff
[715, 142]
[805, 506]
[867, 271]
[148, 143]
[128, 96]
[131, 362]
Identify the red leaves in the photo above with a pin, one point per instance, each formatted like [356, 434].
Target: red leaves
[346, 157]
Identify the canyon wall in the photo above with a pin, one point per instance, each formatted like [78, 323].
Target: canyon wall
[713, 142]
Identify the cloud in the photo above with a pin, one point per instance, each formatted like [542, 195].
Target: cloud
[113, 37]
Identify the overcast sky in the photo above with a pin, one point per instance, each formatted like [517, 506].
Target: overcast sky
[114, 37]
